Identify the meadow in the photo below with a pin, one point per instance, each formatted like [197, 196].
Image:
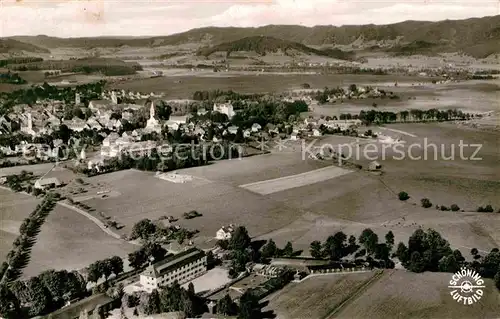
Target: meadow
[400, 294]
[316, 297]
[67, 240]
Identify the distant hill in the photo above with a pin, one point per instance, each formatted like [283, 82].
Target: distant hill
[263, 45]
[10, 45]
[479, 37]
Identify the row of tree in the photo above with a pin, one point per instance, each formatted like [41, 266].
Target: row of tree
[18, 257]
[104, 268]
[339, 246]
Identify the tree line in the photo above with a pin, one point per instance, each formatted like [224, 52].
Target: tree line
[18, 257]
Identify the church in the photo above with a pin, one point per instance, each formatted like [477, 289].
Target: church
[152, 125]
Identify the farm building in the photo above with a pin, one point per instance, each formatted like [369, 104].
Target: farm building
[224, 233]
[374, 166]
[44, 183]
[268, 271]
[182, 268]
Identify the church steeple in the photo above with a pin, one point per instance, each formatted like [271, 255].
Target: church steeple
[152, 111]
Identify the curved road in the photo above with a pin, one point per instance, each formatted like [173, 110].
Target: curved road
[92, 218]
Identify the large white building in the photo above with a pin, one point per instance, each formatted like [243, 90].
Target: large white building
[182, 268]
[225, 108]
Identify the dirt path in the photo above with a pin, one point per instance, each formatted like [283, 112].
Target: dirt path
[93, 219]
[398, 131]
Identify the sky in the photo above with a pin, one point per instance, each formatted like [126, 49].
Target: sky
[86, 18]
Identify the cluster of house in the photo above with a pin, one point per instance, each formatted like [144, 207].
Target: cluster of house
[311, 127]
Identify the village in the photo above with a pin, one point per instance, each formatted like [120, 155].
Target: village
[39, 131]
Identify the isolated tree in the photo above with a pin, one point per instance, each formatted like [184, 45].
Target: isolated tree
[474, 252]
[269, 250]
[454, 208]
[403, 196]
[240, 239]
[316, 250]
[426, 203]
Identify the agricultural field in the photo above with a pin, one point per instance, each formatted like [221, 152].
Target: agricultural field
[253, 169]
[359, 200]
[67, 239]
[401, 294]
[283, 183]
[185, 86]
[138, 195]
[316, 297]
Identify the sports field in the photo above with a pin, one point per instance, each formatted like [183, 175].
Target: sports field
[287, 182]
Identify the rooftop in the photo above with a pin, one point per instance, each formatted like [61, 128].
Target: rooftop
[176, 261]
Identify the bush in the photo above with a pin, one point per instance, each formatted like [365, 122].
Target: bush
[426, 203]
[403, 196]
[454, 208]
[486, 209]
[444, 208]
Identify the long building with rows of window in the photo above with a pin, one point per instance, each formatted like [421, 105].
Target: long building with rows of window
[182, 268]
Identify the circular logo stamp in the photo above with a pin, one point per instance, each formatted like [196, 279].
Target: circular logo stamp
[466, 286]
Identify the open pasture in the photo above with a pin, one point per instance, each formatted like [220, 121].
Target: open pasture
[67, 239]
[142, 195]
[316, 297]
[401, 294]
